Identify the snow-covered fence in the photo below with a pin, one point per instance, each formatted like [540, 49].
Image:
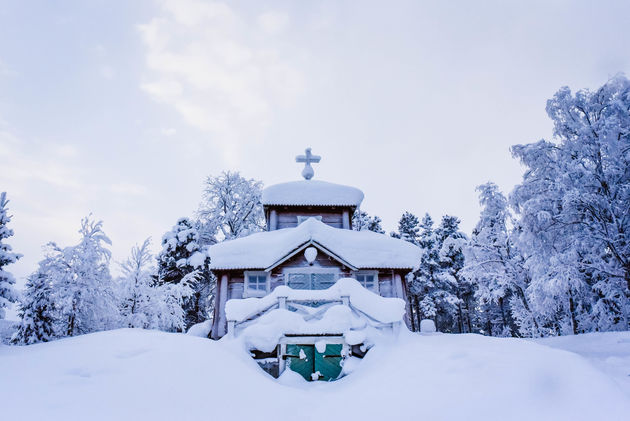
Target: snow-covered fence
[309, 311]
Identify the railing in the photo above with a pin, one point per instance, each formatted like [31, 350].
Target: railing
[302, 307]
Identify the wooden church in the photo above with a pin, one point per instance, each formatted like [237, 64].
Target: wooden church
[293, 269]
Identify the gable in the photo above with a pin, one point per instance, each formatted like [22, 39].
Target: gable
[358, 249]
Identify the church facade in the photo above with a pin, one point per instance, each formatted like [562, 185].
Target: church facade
[309, 245]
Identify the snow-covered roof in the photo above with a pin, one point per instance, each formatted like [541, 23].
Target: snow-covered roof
[360, 249]
[311, 193]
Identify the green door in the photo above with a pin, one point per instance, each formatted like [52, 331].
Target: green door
[300, 359]
[328, 364]
[313, 365]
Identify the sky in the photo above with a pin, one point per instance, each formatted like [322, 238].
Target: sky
[122, 109]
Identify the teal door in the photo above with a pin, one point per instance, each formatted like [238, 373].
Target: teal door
[313, 365]
[301, 359]
[328, 364]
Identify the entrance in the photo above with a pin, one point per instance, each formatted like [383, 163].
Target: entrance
[311, 364]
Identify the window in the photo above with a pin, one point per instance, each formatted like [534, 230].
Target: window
[255, 284]
[310, 278]
[302, 218]
[368, 279]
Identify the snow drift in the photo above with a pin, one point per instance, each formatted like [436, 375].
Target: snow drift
[134, 374]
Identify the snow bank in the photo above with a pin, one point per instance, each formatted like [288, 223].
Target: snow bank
[311, 193]
[610, 352]
[133, 374]
[361, 249]
[200, 330]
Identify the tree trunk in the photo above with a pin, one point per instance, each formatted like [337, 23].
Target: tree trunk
[416, 302]
[572, 311]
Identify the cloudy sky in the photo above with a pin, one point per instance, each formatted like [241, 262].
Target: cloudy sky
[122, 108]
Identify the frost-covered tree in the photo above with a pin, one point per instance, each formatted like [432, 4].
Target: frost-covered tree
[362, 221]
[138, 292]
[457, 293]
[231, 207]
[83, 287]
[37, 309]
[573, 206]
[497, 270]
[184, 258]
[8, 294]
[433, 286]
[408, 228]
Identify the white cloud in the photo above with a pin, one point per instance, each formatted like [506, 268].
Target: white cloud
[219, 72]
[273, 22]
[107, 72]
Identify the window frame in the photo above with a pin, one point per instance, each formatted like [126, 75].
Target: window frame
[302, 218]
[309, 270]
[374, 273]
[249, 273]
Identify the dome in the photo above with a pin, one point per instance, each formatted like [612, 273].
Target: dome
[311, 193]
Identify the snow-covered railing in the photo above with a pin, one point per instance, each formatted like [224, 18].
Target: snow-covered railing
[379, 312]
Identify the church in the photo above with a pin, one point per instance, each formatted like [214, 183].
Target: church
[309, 291]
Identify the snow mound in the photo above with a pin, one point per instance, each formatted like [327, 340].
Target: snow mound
[133, 374]
[361, 249]
[311, 193]
[366, 318]
[200, 330]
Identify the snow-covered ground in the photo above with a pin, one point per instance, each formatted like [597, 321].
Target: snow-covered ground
[150, 375]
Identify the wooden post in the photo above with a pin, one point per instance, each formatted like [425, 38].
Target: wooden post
[346, 220]
[223, 286]
[282, 302]
[231, 325]
[345, 300]
[282, 350]
[273, 220]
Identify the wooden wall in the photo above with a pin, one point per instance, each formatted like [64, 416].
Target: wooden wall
[235, 283]
[287, 217]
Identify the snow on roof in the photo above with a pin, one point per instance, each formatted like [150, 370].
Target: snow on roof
[311, 193]
[361, 249]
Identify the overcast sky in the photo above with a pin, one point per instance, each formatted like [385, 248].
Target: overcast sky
[122, 108]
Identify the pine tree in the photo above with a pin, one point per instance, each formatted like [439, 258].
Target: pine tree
[137, 289]
[408, 228]
[363, 221]
[83, 286]
[37, 310]
[457, 296]
[183, 259]
[8, 294]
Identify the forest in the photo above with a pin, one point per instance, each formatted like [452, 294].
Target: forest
[549, 258]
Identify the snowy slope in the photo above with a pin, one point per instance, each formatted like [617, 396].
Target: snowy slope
[609, 351]
[134, 374]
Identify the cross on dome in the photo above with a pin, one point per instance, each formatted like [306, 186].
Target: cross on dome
[308, 172]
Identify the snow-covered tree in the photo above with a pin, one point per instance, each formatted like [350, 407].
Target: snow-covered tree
[172, 302]
[138, 294]
[408, 228]
[37, 309]
[231, 207]
[184, 258]
[83, 286]
[362, 221]
[497, 270]
[8, 294]
[457, 293]
[573, 206]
